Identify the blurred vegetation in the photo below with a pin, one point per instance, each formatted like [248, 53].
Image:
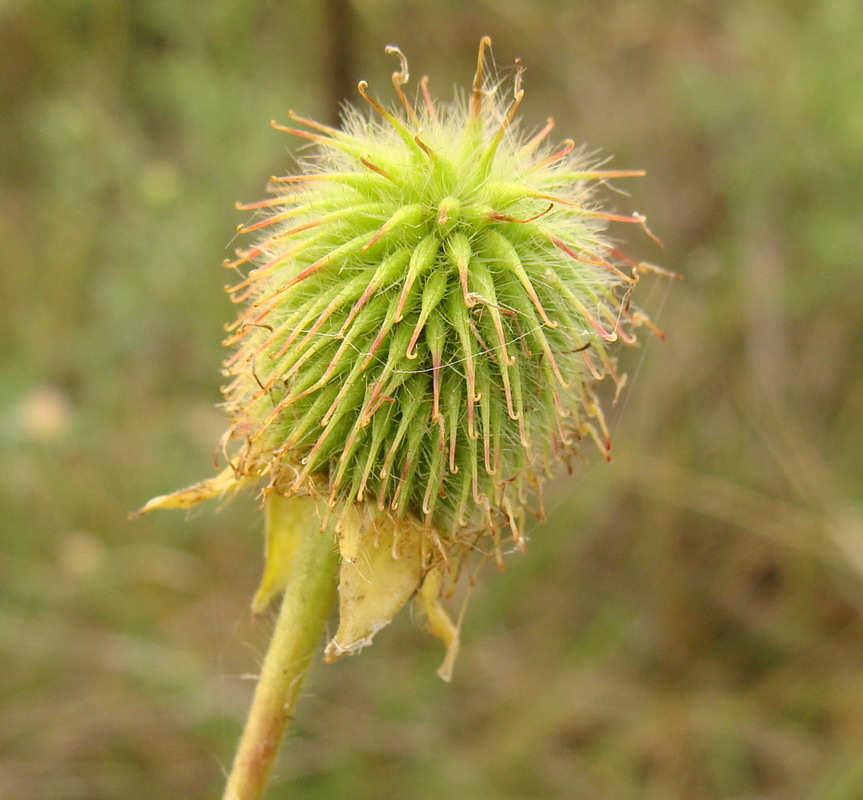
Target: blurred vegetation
[687, 624]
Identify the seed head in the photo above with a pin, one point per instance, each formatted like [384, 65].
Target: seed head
[430, 302]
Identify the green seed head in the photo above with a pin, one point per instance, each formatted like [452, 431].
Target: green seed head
[427, 312]
[427, 309]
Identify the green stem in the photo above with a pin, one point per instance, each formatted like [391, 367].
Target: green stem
[308, 600]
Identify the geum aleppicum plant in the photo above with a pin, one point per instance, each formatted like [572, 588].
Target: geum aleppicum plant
[425, 315]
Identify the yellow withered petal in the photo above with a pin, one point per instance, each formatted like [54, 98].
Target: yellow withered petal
[439, 622]
[224, 482]
[376, 584]
[286, 520]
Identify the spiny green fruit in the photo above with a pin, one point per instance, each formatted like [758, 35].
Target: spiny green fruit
[427, 311]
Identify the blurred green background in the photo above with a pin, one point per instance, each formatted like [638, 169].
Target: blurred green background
[687, 624]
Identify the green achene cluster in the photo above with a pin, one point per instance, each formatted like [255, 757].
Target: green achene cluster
[428, 312]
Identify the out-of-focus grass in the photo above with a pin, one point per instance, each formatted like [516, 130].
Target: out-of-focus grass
[685, 625]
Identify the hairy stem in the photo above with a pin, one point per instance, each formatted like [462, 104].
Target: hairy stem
[306, 606]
